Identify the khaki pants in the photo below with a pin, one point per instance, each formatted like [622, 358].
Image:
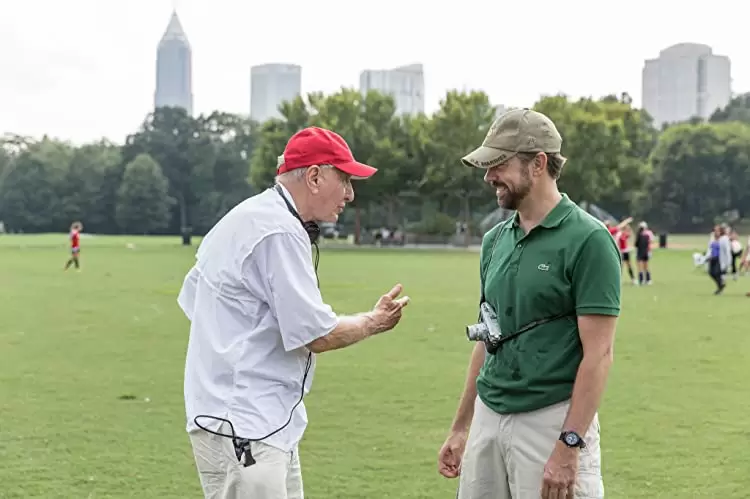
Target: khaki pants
[505, 454]
[275, 475]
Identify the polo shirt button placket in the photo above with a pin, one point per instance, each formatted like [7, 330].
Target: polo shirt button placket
[515, 260]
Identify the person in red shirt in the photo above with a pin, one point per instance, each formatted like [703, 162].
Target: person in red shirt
[622, 243]
[613, 229]
[75, 245]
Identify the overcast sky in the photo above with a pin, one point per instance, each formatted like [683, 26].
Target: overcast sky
[85, 69]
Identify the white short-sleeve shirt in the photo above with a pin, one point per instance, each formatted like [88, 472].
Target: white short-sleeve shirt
[253, 304]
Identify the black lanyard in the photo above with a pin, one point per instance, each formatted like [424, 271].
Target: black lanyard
[526, 327]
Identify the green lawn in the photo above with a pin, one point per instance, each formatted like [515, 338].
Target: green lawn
[92, 367]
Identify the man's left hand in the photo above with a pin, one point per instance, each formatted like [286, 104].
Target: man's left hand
[560, 473]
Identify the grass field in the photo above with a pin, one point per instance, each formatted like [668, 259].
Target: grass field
[92, 366]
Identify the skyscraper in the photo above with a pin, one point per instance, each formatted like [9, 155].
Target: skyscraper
[270, 85]
[174, 86]
[687, 80]
[405, 84]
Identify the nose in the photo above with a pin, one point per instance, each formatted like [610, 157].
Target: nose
[492, 174]
[349, 196]
[489, 175]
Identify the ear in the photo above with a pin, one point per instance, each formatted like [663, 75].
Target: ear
[314, 178]
[539, 165]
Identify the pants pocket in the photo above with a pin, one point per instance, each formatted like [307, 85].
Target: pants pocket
[589, 483]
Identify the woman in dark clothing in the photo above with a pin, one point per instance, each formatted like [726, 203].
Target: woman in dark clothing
[643, 239]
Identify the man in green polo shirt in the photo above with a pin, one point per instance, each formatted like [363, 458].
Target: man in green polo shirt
[527, 423]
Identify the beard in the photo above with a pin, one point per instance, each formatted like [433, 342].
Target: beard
[510, 197]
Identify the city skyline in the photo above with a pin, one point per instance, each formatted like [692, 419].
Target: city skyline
[273, 83]
[685, 81]
[92, 76]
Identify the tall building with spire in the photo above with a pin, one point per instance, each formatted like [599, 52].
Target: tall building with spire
[174, 72]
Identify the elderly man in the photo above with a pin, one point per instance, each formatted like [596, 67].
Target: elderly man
[258, 319]
[527, 424]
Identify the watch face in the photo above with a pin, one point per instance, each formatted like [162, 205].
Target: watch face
[571, 439]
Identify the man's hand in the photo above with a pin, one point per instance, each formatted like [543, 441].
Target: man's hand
[387, 311]
[560, 473]
[353, 329]
[449, 458]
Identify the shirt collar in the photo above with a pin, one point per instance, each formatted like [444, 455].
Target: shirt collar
[288, 196]
[554, 217]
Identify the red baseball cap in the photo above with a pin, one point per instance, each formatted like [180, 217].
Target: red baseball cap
[318, 146]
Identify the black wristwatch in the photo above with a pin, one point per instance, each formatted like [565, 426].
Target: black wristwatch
[572, 439]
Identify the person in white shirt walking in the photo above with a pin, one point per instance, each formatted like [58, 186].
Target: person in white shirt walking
[258, 319]
[745, 258]
[736, 247]
[725, 248]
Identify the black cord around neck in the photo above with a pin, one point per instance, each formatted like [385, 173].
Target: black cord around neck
[316, 262]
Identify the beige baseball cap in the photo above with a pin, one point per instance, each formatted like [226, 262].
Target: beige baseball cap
[519, 130]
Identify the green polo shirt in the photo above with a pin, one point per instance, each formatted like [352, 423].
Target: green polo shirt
[567, 265]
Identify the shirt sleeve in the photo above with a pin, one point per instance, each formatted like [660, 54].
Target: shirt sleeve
[186, 298]
[596, 276]
[280, 270]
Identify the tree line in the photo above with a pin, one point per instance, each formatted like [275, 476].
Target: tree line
[180, 174]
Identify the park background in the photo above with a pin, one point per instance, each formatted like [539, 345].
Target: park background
[91, 377]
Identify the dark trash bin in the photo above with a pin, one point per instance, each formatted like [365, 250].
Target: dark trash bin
[662, 241]
[186, 236]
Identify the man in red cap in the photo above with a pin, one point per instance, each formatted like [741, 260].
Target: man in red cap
[258, 319]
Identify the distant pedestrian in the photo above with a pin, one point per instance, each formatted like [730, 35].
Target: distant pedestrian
[736, 247]
[75, 246]
[725, 250]
[624, 245]
[714, 261]
[643, 242]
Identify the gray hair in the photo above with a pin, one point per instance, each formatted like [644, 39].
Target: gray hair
[297, 173]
